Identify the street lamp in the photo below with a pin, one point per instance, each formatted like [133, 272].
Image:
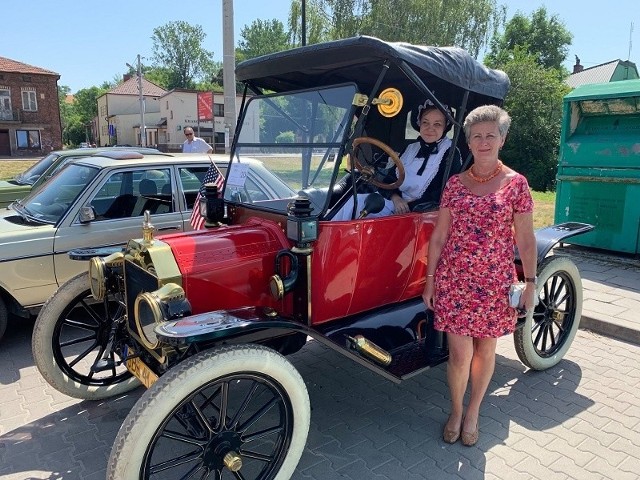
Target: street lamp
[143, 134]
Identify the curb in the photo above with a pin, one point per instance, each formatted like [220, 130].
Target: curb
[611, 330]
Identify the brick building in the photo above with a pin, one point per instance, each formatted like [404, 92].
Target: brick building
[29, 109]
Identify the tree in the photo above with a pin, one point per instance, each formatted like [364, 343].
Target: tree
[546, 38]
[316, 24]
[85, 103]
[177, 46]
[466, 23]
[262, 37]
[535, 105]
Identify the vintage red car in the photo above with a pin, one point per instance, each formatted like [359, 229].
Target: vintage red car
[203, 319]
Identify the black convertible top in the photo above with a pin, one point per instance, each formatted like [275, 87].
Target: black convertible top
[359, 59]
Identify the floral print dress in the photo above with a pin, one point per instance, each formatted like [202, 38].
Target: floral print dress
[476, 266]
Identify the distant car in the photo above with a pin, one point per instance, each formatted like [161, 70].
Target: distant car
[85, 145]
[38, 173]
[98, 201]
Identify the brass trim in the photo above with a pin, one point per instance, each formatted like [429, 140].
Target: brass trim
[97, 278]
[276, 286]
[371, 350]
[232, 461]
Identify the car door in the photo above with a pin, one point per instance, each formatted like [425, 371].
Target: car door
[119, 200]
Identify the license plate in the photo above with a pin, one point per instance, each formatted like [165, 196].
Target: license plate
[141, 371]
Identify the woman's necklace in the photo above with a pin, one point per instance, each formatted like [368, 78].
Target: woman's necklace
[488, 177]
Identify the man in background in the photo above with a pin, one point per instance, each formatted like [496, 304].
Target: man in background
[194, 144]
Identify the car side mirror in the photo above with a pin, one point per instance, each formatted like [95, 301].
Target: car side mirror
[87, 214]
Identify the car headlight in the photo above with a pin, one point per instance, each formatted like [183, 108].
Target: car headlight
[97, 278]
[101, 273]
[151, 308]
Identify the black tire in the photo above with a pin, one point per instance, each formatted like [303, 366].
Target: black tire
[550, 328]
[4, 318]
[177, 422]
[70, 334]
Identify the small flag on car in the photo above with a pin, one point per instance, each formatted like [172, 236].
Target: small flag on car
[214, 176]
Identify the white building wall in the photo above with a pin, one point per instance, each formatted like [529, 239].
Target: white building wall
[180, 110]
[123, 111]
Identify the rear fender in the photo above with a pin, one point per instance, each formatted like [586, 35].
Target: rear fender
[547, 237]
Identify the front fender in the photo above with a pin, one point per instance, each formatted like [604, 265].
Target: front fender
[222, 325]
[547, 237]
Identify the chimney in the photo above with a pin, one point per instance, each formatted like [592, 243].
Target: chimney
[577, 67]
[127, 76]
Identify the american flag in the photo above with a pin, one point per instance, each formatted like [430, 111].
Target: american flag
[213, 176]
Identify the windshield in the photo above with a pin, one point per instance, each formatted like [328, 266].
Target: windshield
[50, 202]
[29, 176]
[297, 137]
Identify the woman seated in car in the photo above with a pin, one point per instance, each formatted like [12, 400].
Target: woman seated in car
[424, 164]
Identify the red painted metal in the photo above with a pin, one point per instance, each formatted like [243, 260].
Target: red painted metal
[364, 264]
[229, 267]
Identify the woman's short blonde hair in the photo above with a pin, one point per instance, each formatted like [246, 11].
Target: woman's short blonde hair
[487, 113]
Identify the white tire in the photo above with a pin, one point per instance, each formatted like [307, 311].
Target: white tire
[70, 334]
[550, 328]
[178, 418]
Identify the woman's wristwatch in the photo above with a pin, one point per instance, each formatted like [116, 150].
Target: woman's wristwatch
[533, 280]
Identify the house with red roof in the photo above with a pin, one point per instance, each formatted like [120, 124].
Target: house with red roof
[120, 113]
[29, 110]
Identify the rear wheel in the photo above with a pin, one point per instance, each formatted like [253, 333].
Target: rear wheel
[70, 334]
[550, 328]
[233, 412]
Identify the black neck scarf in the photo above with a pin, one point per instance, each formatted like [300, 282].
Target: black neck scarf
[426, 150]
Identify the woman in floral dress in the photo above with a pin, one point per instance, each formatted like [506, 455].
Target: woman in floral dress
[484, 212]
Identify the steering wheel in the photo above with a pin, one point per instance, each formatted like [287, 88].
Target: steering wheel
[368, 170]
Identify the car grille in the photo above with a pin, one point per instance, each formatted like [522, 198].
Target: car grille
[137, 280]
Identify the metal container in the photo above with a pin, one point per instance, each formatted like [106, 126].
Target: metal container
[598, 180]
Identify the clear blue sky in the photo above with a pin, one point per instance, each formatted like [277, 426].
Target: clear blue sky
[88, 42]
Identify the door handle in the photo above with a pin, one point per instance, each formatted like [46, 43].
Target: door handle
[164, 229]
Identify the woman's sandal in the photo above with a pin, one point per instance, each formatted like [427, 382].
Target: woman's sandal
[469, 439]
[450, 436]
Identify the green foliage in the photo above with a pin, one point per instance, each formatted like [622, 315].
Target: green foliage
[466, 23]
[86, 103]
[160, 76]
[546, 38]
[316, 24]
[177, 47]
[535, 105]
[262, 37]
[286, 137]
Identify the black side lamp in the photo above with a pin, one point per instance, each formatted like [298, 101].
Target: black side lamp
[211, 206]
[302, 228]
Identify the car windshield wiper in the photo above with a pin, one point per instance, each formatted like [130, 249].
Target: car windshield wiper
[24, 212]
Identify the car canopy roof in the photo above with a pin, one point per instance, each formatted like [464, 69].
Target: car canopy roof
[359, 60]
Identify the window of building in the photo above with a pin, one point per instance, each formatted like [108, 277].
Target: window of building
[29, 100]
[218, 110]
[28, 139]
[5, 104]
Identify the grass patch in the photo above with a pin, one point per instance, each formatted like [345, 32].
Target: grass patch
[10, 168]
[543, 213]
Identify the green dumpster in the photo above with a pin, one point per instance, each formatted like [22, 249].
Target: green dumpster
[598, 180]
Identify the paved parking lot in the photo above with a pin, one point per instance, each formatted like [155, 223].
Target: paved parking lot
[579, 420]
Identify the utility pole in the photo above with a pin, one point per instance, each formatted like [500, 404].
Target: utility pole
[229, 75]
[143, 133]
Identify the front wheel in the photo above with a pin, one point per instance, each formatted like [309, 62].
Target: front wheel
[4, 318]
[550, 328]
[71, 333]
[233, 412]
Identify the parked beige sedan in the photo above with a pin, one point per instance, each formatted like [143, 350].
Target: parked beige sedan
[98, 201]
